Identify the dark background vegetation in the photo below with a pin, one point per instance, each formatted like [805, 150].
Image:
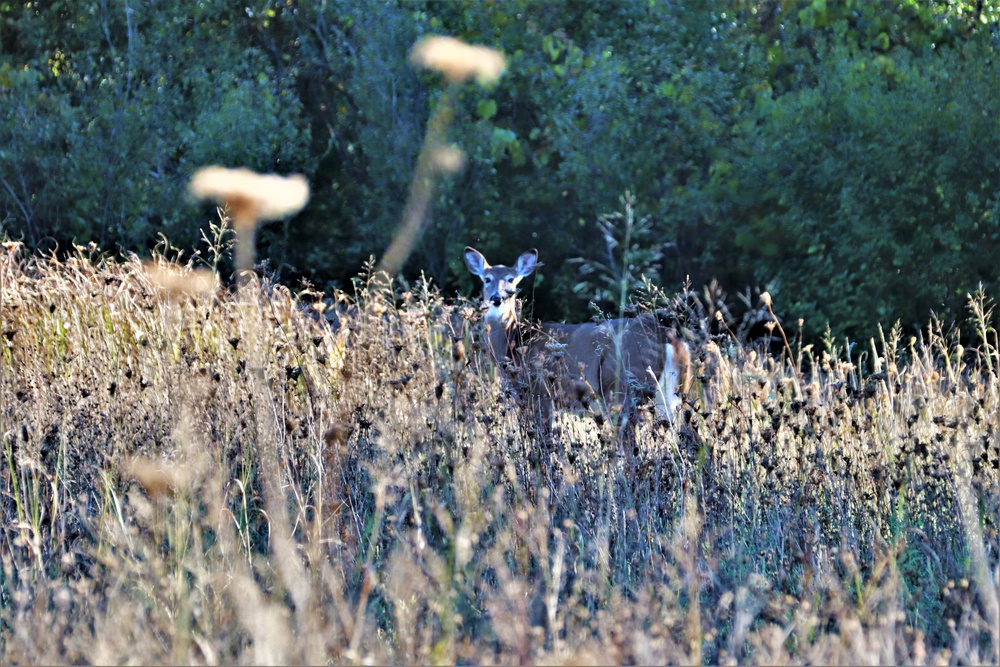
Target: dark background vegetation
[843, 155]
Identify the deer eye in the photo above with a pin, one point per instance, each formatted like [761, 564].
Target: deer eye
[509, 279]
[488, 279]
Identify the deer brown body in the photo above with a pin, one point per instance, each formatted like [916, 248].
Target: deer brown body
[552, 365]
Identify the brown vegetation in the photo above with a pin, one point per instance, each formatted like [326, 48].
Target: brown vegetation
[195, 477]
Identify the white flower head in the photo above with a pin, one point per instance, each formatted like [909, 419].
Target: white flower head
[252, 197]
[458, 61]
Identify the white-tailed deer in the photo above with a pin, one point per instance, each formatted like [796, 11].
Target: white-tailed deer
[558, 365]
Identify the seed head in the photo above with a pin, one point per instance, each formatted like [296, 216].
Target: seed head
[448, 159]
[459, 61]
[252, 197]
[176, 282]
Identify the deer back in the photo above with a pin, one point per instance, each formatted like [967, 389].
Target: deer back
[611, 358]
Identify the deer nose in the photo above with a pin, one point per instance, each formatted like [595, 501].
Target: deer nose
[504, 292]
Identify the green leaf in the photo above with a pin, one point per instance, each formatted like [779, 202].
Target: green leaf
[486, 109]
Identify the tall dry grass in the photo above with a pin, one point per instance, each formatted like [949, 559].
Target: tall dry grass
[194, 477]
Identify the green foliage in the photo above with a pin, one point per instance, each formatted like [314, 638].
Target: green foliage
[882, 203]
[597, 101]
[110, 110]
[821, 148]
[629, 260]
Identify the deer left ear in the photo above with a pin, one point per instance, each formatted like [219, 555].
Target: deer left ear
[475, 261]
[527, 263]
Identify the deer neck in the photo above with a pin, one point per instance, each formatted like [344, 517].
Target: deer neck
[503, 331]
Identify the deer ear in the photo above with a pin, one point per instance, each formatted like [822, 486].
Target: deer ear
[475, 261]
[527, 262]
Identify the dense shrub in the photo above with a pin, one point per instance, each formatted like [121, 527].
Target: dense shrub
[107, 114]
[876, 190]
[817, 148]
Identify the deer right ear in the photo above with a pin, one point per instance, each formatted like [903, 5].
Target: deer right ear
[527, 262]
[475, 261]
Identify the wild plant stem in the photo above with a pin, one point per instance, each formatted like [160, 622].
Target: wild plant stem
[421, 189]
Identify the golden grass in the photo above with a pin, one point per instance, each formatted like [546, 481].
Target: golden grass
[194, 477]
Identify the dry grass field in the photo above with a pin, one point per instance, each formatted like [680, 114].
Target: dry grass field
[193, 476]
